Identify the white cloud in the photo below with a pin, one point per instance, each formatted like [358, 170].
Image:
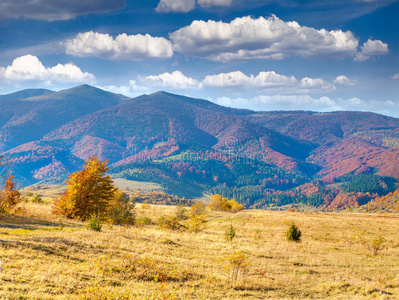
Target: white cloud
[343, 80]
[132, 89]
[306, 102]
[239, 79]
[316, 84]
[211, 3]
[263, 38]
[30, 68]
[268, 81]
[123, 47]
[176, 80]
[52, 10]
[166, 6]
[371, 48]
[281, 102]
[272, 79]
[396, 76]
[232, 79]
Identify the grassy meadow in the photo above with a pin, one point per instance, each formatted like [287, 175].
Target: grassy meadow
[45, 257]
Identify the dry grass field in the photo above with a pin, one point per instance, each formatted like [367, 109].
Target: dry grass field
[44, 257]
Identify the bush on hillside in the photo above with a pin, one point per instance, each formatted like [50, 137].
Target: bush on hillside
[94, 222]
[230, 233]
[122, 209]
[293, 233]
[170, 223]
[217, 202]
[196, 217]
[181, 212]
[197, 208]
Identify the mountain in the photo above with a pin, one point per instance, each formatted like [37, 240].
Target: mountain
[355, 156]
[28, 119]
[148, 121]
[192, 145]
[330, 127]
[25, 94]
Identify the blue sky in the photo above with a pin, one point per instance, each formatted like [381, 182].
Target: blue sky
[263, 55]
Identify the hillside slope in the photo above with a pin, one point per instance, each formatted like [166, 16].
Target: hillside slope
[191, 145]
[331, 127]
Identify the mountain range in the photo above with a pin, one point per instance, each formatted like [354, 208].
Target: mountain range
[190, 145]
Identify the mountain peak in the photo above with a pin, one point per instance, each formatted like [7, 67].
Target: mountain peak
[83, 88]
[86, 90]
[28, 93]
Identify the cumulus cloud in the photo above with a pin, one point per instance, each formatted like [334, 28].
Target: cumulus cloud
[123, 47]
[269, 80]
[132, 89]
[211, 3]
[166, 6]
[176, 80]
[316, 84]
[263, 38]
[343, 80]
[53, 10]
[237, 79]
[272, 79]
[371, 48]
[232, 79]
[396, 76]
[30, 68]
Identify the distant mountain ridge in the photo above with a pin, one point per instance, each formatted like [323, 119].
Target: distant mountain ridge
[47, 135]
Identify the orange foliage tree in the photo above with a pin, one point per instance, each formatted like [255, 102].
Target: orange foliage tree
[89, 191]
[9, 196]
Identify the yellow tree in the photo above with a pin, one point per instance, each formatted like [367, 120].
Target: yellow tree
[89, 191]
[9, 196]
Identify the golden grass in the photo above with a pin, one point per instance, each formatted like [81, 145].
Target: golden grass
[43, 259]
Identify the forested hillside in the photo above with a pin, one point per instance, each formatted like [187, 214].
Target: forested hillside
[193, 146]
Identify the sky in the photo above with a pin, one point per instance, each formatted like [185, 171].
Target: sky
[255, 54]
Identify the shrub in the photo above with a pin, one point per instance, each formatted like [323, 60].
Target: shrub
[196, 222]
[94, 222]
[197, 217]
[36, 199]
[293, 233]
[235, 206]
[143, 221]
[9, 196]
[219, 203]
[122, 210]
[197, 208]
[238, 263]
[181, 212]
[170, 223]
[145, 206]
[375, 245]
[230, 233]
